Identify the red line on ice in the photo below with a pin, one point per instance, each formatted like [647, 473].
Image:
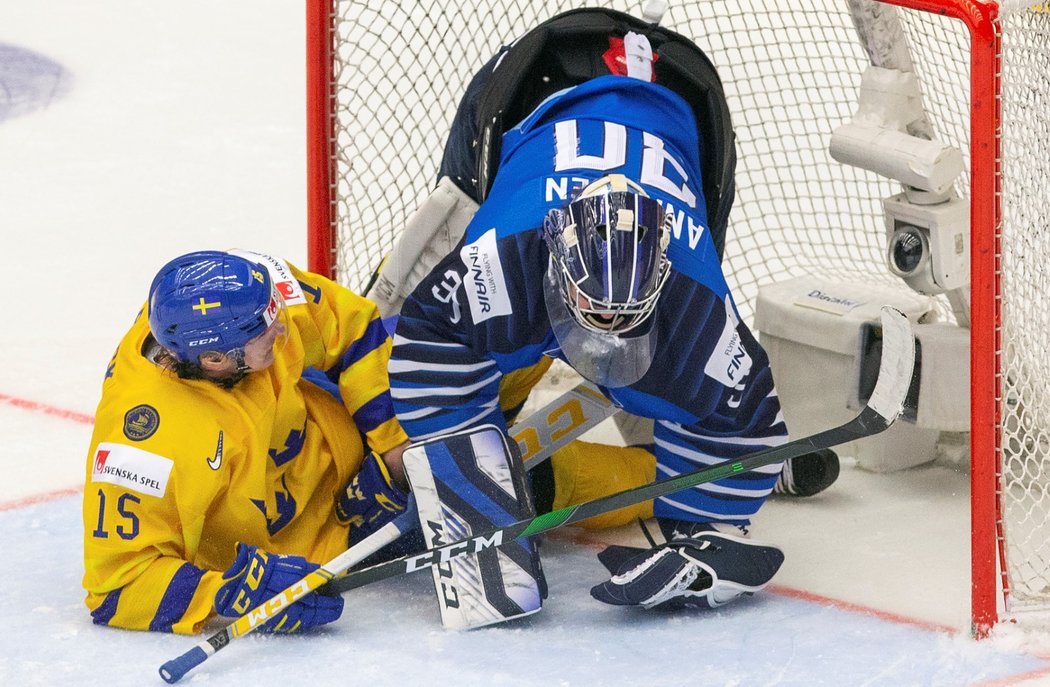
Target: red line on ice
[54, 411]
[40, 498]
[37, 407]
[1019, 679]
[861, 609]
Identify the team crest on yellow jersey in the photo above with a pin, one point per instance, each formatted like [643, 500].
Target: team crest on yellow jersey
[141, 422]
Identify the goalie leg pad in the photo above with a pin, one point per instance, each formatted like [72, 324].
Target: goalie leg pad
[433, 230]
[466, 483]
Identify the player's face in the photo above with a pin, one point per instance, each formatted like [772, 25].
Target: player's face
[259, 352]
[600, 320]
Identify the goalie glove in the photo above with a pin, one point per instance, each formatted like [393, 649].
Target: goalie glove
[698, 566]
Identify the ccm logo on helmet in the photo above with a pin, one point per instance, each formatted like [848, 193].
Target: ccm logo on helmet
[202, 342]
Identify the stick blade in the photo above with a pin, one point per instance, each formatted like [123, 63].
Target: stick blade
[896, 367]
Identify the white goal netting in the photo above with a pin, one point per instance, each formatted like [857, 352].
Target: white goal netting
[1025, 337]
[791, 73]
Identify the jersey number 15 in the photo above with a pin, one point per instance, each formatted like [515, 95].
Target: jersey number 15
[127, 527]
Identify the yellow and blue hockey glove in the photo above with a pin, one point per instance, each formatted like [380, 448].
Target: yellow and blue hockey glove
[370, 501]
[255, 576]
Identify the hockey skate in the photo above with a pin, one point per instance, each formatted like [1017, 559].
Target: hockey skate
[808, 475]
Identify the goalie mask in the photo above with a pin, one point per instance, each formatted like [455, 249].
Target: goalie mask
[607, 268]
[215, 301]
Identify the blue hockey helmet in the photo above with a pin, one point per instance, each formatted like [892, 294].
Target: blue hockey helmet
[608, 265]
[211, 301]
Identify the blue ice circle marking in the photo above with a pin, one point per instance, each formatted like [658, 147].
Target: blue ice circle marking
[29, 81]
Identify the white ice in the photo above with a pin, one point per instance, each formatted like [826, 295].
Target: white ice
[180, 126]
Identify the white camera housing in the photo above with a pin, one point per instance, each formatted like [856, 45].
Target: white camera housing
[877, 138]
[928, 245]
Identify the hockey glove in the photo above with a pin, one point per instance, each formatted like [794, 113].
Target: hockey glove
[698, 566]
[255, 576]
[369, 501]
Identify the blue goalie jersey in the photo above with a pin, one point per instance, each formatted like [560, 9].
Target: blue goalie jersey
[480, 313]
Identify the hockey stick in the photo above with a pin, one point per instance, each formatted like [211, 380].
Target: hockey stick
[887, 400]
[538, 436]
[173, 670]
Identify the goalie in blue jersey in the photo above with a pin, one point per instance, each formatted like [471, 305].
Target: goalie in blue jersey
[591, 164]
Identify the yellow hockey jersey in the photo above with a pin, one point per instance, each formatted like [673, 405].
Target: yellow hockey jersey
[180, 470]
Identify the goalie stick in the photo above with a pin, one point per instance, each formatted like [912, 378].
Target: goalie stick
[538, 436]
[886, 402]
[882, 409]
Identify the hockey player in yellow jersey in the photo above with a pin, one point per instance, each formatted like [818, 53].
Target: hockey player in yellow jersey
[245, 433]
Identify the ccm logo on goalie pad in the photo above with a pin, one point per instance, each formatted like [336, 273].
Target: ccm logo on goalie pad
[466, 484]
[449, 593]
[442, 556]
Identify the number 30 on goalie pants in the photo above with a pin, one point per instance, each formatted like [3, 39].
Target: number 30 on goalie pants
[468, 483]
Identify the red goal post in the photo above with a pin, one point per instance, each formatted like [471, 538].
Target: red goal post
[383, 79]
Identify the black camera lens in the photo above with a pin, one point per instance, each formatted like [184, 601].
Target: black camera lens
[907, 251]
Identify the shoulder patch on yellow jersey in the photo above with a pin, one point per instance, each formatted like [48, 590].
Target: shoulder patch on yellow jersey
[141, 422]
[280, 273]
[132, 468]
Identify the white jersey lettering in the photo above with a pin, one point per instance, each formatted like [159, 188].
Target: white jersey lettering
[567, 144]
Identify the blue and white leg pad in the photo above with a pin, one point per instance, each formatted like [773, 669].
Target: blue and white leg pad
[466, 483]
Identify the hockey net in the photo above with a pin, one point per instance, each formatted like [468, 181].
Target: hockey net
[385, 79]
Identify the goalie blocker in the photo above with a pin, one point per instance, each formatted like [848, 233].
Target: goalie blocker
[464, 484]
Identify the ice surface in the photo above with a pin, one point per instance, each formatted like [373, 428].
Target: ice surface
[390, 634]
[168, 127]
